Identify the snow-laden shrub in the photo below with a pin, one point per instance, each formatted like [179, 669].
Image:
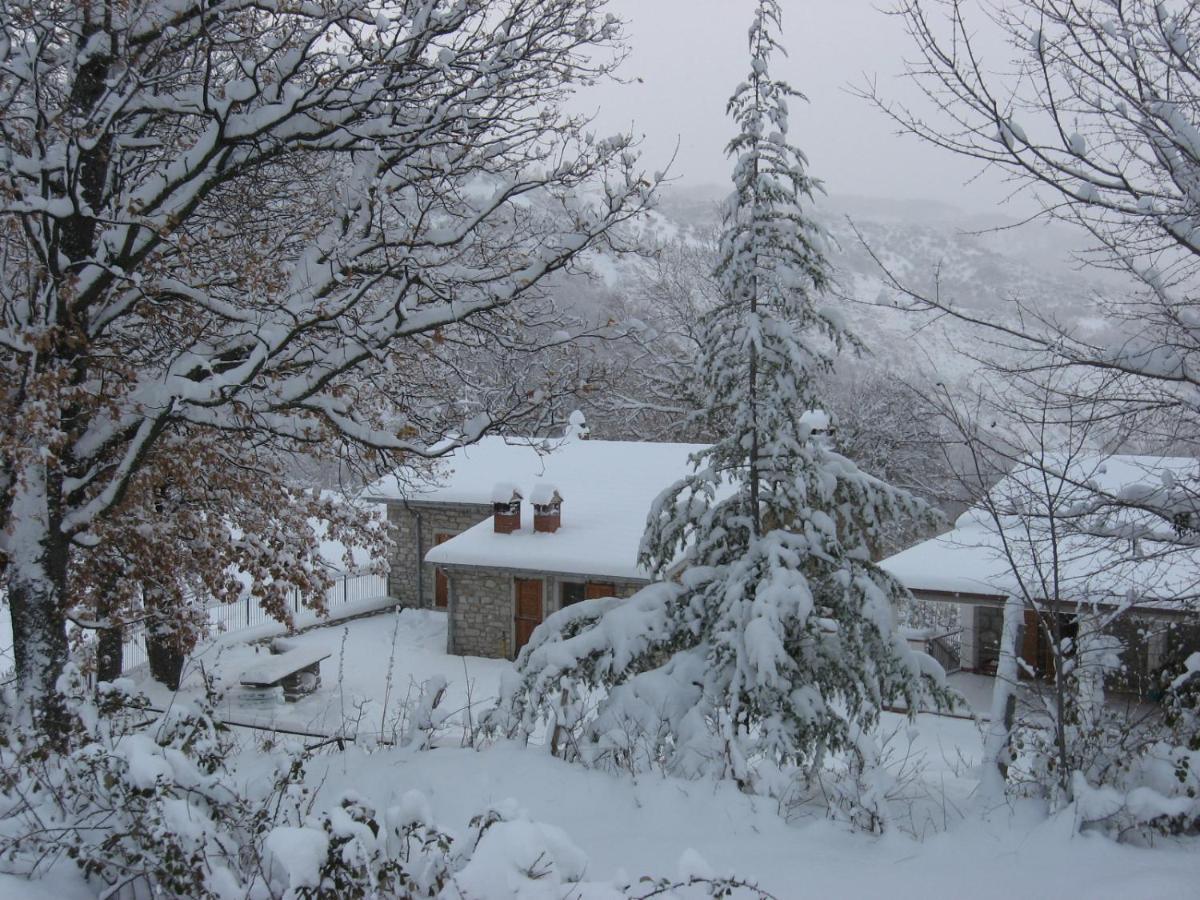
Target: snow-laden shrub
[348, 852]
[1138, 778]
[137, 801]
[1132, 770]
[351, 852]
[145, 805]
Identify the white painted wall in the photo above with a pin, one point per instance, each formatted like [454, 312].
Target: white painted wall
[966, 621]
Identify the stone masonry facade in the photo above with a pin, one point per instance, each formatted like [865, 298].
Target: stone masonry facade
[414, 526]
[482, 613]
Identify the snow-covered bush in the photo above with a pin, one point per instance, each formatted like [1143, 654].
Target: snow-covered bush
[862, 791]
[1138, 774]
[137, 802]
[347, 852]
[1130, 770]
[147, 805]
[351, 852]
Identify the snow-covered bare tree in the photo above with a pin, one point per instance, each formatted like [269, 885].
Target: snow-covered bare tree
[889, 429]
[259, 217]
[1099, 593]
[651, 391]
[778, 645]
[1096, 117]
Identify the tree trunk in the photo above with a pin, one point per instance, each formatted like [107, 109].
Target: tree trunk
[110, 641]
[37, 590]
[997, 741]
[110, 654]
[164, 655]
[165, 650]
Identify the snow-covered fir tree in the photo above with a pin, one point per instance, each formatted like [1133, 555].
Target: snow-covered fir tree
[777, 644]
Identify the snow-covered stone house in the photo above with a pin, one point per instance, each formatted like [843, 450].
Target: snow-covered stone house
[514, 529]
[1121, 561]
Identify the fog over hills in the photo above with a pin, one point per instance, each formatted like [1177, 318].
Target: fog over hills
[984, 263]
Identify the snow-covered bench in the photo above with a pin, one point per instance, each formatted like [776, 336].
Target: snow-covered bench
[298, 672]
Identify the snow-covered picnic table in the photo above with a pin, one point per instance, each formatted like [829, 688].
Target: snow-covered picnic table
[297, 671]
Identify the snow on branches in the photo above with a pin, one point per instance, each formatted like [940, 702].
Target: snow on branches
[266, 219]
[1097, 117]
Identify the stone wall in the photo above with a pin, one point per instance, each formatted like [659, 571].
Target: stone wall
[426, 520]
[481, 600]
[481, 607]
[481, 613]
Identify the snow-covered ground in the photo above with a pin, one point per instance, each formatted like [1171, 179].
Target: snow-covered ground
[629, 827]
[355, 696]
[645, 826]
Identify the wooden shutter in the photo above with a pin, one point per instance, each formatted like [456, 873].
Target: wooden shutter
[1033, 645]
[528, 593]
[598, 589]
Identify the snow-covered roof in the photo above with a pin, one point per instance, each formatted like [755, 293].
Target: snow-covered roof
[476, 474]
[607, 488]
[1107, 552]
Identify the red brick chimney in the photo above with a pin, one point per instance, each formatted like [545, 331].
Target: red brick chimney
[547, 508]
[506, 509]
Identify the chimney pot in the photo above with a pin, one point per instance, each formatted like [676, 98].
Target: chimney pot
[547, 508]
[506, 509]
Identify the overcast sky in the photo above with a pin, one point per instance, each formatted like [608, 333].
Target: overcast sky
[691, 53]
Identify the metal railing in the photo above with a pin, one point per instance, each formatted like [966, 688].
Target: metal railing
[945, 649]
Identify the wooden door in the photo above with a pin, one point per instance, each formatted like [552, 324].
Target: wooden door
[598, 589]
[1037, 647]
[528, 608]
[1032, 643]
[441, 585]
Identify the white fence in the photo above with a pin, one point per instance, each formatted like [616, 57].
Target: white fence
[348, 590]
[348, 593]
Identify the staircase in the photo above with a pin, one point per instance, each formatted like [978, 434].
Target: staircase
[944, 648]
